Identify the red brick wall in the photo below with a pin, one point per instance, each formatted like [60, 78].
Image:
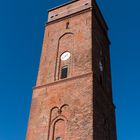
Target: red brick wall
[68, 9]
[77, 40]
[104, 125]
[47, 120]
[78, 107]
[75, 116]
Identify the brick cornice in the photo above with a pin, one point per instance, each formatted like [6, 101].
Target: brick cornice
[69, 16]
[67, 3]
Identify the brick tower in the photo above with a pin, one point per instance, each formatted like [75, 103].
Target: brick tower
[72, 99]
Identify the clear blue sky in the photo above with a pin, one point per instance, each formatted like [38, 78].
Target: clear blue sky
[21, 34]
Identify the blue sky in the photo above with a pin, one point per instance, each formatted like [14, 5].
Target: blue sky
[21, 34]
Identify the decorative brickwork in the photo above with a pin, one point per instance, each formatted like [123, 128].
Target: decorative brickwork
[77, 105]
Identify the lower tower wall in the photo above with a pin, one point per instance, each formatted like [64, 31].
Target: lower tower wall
[62, 109]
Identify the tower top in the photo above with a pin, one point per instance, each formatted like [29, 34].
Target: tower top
[69, 8]
[74, 7]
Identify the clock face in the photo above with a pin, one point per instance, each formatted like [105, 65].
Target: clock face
[65, 56]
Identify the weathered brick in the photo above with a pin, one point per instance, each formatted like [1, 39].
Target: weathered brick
[80, 106]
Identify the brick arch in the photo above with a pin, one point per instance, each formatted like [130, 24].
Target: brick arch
[65, 43]
[58, 128]
[64, 35]
[51, 118]
[64, 105]
[56, 114]
[62, 117]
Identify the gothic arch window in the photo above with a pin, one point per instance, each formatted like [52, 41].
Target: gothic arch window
[58, 125]
[58, 122]
[64, 53]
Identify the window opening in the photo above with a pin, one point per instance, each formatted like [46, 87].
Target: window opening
[100, 66]
[67, 25]
[64, 72]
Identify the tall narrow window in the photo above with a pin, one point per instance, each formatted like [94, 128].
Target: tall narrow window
[100, 66]
[64, 72]
[67, 25]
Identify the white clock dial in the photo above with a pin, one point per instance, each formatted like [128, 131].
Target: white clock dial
[65, 56]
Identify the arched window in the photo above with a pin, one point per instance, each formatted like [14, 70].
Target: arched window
[64, 72]
[101, 66]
